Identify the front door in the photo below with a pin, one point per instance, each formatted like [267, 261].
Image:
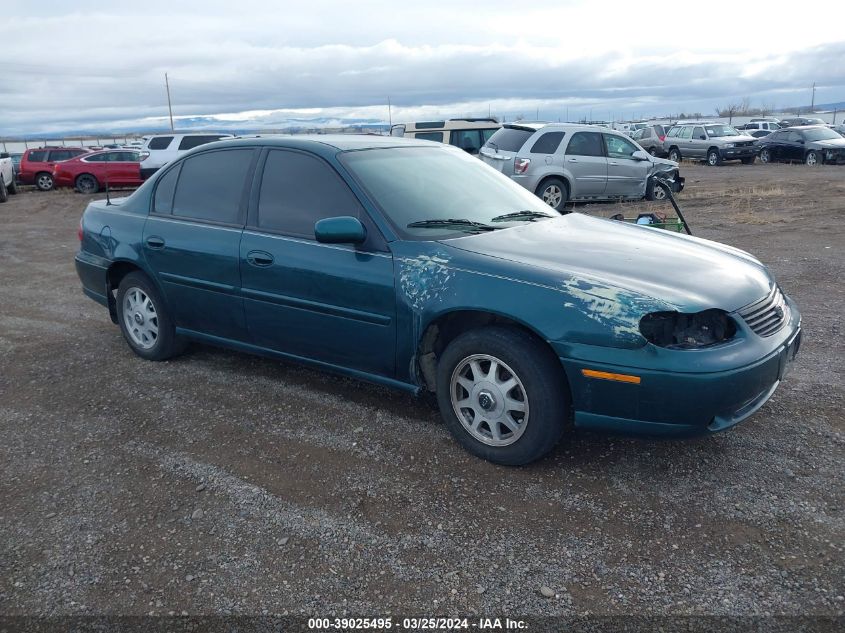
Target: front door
[192, 238]
[584, 159]
[626, 175]
[333, 303]
[793, 146]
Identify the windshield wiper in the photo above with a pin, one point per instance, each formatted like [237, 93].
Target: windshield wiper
[521, 215]
[452, 223]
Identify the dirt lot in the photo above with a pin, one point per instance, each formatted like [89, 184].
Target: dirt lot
[224, 483]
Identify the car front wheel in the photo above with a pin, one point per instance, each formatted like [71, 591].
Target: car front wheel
[554, 193]
[812, 158]
[765, 156]
[502, 394]
[714, 158]
[144, 320]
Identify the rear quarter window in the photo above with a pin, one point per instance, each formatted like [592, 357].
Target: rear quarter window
[160, 142]
[547, 143]
[429, 136]
[190, 142]
[509, 139]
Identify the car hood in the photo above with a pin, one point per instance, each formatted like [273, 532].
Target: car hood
[662, 164]
[740, 138]
[689, 273]
[833, 143]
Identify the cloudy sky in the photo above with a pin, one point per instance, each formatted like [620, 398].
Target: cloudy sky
[86, 65]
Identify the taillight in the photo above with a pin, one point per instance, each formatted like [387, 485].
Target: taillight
[79, 230]
[662, 138]
[520, 165]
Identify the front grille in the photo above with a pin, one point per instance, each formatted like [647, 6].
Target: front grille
[744, 143]
[768, 315]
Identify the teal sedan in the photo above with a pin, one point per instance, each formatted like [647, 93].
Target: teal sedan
[414, 265]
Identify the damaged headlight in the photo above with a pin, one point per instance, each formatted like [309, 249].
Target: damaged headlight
[676, 330]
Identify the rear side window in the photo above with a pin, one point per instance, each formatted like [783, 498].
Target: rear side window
[297, 190]
[190, 142]
[61, 154]
[547, 143]
[508, 139]
[585, 144]
[211, 185]
[429, 136]
[38, 157]
[160, 142]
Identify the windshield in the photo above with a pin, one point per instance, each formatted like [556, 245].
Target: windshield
[820, 134]
[437, 186]
[720, 130]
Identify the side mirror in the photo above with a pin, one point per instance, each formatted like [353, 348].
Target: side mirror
[640, 155]
[5, 155]
[340, 230]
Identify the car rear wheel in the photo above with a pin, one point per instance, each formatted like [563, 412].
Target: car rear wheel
[675, 155]
[13, 186]
[714, 158]
[812, 158]
[4, 193]
[765, 156]
[86, 183]
[652, 150]
[554, 193]
[144, 320]
[44, 181]
[502, 394]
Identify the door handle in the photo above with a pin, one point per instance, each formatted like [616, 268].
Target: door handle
[154, 242]
[572, 160]
[613, 163]
[260, 259]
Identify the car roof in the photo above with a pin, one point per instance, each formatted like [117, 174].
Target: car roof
[341, 142]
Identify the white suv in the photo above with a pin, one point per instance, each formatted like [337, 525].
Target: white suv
[163, 148]
[468, 134]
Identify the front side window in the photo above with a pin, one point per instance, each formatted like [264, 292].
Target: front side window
[618, 147]
[585, 144]
[297, 190]
[211, 185]
[160, 142]
[698, 134]
[547, 143]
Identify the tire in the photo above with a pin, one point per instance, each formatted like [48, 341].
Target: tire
[555, 193]
[749, 161]
[655, 191]
[539, 389]
[765, 156]
[86, 183]
[44, 181]
[4, 193]
[652, 150]
[675, 155]
[714, 158]
[144, 321]
[812, 158]
[13, 186]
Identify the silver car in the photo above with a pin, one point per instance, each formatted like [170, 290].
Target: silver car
[563, 162]
[713, 143]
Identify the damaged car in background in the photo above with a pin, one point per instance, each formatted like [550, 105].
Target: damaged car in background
[566, 162]
[413, 265]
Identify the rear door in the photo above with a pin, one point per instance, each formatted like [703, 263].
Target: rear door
[626, 175]
[503, 147]
[585, 162]
[192, 239]
[333, 303]
[793, 146]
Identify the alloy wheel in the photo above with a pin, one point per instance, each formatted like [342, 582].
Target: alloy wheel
[489, 400]
[552, 196]
[44, 182]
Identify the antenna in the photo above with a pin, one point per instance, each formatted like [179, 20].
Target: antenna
[169, 107]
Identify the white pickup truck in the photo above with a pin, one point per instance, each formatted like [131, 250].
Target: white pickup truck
[7, 177]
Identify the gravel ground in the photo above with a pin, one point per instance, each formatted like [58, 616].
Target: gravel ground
[220, 483]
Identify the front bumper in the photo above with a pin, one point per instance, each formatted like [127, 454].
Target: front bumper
[737, 153]
[677, 404]
[833, 157]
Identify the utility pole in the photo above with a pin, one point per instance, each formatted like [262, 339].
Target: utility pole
[389, 112]
[813, 100]
[169, 107]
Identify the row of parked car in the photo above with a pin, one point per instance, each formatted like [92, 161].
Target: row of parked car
[90, 170]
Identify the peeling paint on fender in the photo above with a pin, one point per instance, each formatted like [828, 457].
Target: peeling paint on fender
[423, 279]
